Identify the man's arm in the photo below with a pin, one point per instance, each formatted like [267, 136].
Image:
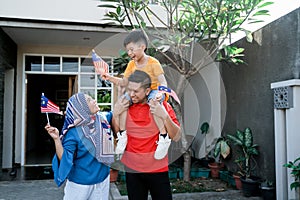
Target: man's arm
[121, 105]
[168, 116]
[172, 128]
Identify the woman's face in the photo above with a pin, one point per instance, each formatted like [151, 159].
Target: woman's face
[94, 108]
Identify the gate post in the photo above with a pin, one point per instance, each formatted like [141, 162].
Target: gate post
[287, 133]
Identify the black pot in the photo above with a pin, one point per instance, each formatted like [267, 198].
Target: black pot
[268, 193]
[250, 186]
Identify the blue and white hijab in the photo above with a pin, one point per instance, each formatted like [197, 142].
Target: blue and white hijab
[95, 127]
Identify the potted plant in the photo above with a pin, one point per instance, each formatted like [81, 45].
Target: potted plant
[268, 190]
[295, 167]
[115, 167]
[222, 150]
[204, 161]
[244, 140]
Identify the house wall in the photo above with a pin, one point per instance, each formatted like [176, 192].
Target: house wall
[8, 52]
[21, 86]
[271, 57]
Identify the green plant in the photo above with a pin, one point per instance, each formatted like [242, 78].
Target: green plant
[295, 167]
[245, 141]
[222, 148]
[267, 183]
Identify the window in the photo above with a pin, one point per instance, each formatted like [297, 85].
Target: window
[33, 63]
[52, 64]
[88, 81]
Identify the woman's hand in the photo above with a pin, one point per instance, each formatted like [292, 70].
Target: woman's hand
[52, 131]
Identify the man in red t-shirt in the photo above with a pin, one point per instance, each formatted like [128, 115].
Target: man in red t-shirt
[143, 172]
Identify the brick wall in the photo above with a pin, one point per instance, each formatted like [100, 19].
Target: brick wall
[8, 60]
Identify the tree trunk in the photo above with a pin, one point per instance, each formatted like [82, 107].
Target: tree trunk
[187, 165]
[185, 146]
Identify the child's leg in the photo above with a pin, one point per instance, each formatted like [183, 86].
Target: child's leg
[159, 123]
[122, 135]
[164, 140]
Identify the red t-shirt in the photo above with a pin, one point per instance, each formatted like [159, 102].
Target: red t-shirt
[142, 135]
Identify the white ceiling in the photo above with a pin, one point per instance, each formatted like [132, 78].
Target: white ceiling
[38, 36]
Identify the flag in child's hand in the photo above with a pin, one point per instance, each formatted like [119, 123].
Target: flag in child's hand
[49, 107]
[100, 65]
[169, 91]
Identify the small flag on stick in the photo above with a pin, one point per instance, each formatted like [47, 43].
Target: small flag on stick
[169, 91]
[48, 107]
[100, 65]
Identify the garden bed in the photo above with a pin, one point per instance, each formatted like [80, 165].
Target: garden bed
[194, 185]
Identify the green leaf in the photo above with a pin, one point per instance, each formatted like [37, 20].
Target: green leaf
[261, 12]
[225, 149]
[265, 4]
[217, 149]
[118, 10]
[204, 128]
[295, 185]
[236, 140]
[106, 6]
[256, 21]
[240, 136]
[248, 137]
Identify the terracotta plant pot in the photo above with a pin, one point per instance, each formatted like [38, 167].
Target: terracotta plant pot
[215, 168]
[238, 182]
[113, 175]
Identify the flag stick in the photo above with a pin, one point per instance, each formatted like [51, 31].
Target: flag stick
[47, 118]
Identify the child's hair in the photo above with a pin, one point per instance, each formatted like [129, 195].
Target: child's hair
[135, 37]
[142, 77]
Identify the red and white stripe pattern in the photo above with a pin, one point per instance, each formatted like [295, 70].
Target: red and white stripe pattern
[101, 67]
[49, 107]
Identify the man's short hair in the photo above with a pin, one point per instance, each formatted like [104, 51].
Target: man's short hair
[142, 77]
[135, 37]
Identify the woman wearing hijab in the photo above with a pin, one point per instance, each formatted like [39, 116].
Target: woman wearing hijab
[80, 158]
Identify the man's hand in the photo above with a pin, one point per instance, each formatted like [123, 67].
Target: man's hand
[121, 105]
[157, 109]
[158, 96]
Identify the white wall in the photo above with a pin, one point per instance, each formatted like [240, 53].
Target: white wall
[8, 119]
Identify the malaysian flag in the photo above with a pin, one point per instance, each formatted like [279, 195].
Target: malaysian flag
[49, 107]
[169, 91]
[100, 65]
